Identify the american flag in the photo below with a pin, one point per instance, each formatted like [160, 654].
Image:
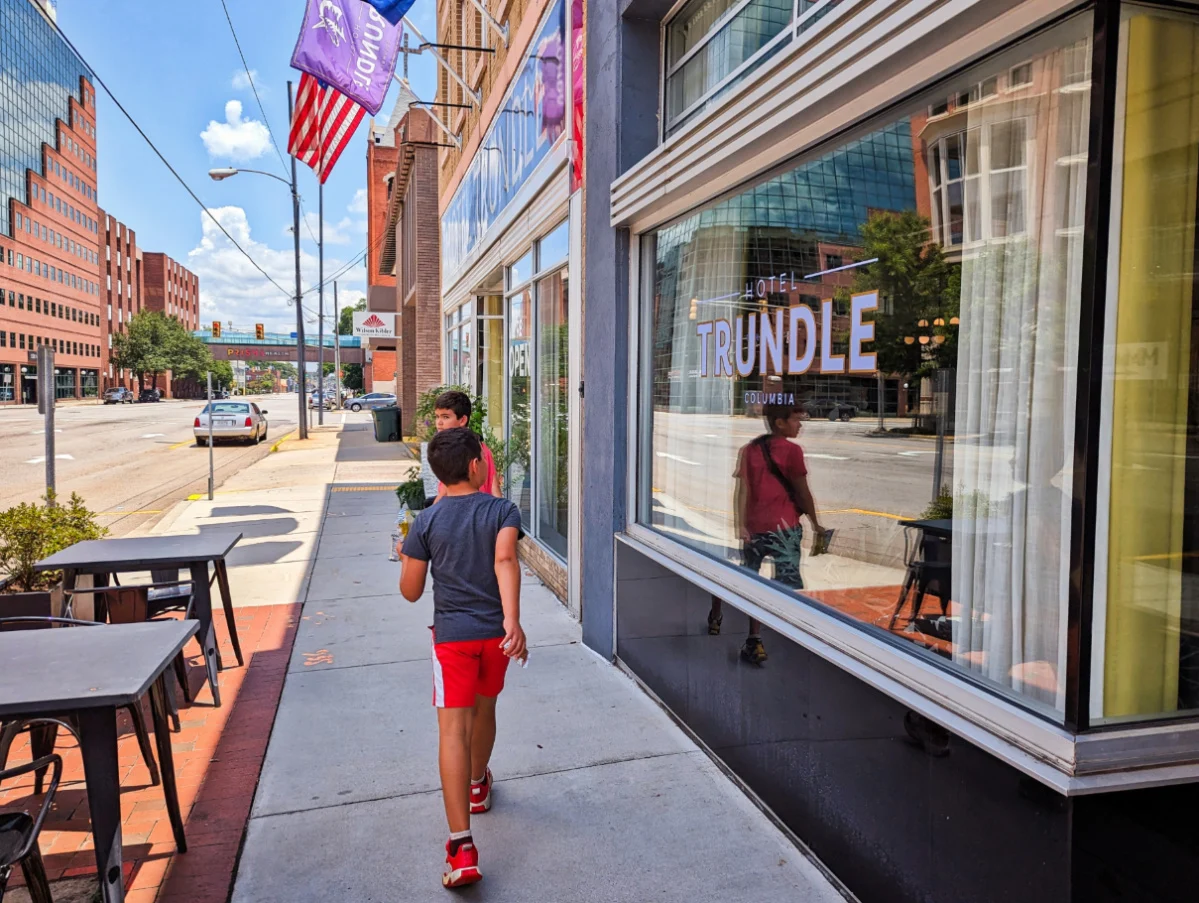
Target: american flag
[322, 124]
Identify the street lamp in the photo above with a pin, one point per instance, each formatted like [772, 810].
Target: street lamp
[219, 175]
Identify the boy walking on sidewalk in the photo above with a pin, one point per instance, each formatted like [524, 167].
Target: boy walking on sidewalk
[469, 539]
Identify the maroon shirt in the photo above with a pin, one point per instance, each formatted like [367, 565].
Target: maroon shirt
[768, 507]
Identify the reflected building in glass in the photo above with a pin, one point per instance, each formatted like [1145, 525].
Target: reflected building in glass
[50, 293]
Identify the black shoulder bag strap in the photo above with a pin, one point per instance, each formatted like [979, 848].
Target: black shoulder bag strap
[763, 442]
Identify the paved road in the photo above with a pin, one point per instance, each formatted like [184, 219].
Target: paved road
[128, 462]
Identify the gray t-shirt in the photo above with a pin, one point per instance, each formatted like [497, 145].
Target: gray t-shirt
[457, 537]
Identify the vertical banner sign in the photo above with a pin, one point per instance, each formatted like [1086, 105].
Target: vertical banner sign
[578, 78]
[349, 46]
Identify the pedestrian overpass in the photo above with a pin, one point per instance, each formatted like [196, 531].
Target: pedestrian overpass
[277, 347]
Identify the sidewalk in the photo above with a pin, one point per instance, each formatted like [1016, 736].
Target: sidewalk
[599, 796]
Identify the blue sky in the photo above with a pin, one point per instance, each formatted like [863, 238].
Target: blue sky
[175, 68]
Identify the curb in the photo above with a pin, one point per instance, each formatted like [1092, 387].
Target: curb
[281, 440]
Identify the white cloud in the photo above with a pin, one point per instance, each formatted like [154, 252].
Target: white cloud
[358, 204]
[233, 291]
[335, 233]
[242, 81]
[236, 138]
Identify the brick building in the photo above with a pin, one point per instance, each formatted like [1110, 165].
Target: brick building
[379, 373]
[411, 250]
[123, 292]
[172, 289]
[49, 218]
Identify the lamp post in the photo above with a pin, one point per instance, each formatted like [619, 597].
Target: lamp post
[218, 175]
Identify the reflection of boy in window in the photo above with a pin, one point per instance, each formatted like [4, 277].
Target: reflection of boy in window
[771, 495]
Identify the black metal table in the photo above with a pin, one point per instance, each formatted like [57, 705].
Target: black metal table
[191, 552]
[90, 674]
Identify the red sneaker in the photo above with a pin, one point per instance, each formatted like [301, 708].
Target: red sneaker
[462, 868]
[480, 795]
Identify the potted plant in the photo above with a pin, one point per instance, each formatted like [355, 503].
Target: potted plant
[412, 493]
[29, 533]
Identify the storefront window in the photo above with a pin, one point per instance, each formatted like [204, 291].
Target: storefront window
[491, 351]
[518, 484]
[8, 383]
[64, 383]
[882, 339]
[89, 383]
[1146, 645]
[553, 399]
[459, 358]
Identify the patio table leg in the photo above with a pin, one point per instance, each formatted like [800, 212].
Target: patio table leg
[98, 743]
[166, 759]
[222, 576]
[206, 635]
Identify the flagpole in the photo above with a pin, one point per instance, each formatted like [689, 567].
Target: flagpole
[320, 304]
[299, 299]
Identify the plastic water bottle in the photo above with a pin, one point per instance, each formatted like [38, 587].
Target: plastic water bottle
[397, 533]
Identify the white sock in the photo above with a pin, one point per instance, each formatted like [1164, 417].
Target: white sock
[482, 780]
[459, 835]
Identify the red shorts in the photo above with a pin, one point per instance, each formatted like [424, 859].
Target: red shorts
[464, 670]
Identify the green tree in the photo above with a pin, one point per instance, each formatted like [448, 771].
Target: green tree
[915, 282]
[345, 321]
[352, 377]
[222, 374]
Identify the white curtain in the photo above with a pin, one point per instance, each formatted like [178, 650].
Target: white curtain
[1016, 380]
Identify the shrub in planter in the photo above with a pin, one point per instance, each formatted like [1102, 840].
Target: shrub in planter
[29, 533]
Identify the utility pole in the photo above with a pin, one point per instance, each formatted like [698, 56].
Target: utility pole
[336, 346]
[45, 406]
[295, 217]
[320, 306]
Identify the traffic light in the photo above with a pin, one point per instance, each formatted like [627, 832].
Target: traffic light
[216, 329]
[259, 332]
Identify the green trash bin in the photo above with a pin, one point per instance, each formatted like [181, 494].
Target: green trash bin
[387, 423]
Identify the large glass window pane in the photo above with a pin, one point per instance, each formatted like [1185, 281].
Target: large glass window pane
[553, 399]
[554, 248]
[491, 349]
[518, 484]
[919, 402]
[1146, 648]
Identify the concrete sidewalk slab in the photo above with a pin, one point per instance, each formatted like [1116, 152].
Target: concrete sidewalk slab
[661, 829]
[554, 715]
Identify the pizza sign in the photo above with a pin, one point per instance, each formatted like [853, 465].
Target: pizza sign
[373, 325]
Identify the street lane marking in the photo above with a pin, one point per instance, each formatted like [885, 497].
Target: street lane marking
[153, 435]
[181, 444]
[123, 513]
[343, 419]
[826, 457]
[41, 432]
[42, 459]
[915, 454]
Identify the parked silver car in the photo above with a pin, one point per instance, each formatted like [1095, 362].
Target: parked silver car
[118, 395]
[369, 401]
[231, 420]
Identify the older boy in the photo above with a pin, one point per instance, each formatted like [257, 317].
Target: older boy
[469, 540]
[452, 410]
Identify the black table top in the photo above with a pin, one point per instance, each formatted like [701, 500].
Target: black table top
[64, 669]
[940, 526]
[974, 526]
[142, 553]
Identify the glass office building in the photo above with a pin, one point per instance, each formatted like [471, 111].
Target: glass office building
[38, 76]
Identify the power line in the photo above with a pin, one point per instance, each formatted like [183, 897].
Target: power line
[261, 109]
[164, 160]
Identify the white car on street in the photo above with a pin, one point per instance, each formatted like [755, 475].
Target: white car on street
[231, 420]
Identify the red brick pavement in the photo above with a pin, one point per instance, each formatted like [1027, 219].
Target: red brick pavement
[218, 755]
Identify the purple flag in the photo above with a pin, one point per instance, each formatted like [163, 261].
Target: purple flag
[349, 46]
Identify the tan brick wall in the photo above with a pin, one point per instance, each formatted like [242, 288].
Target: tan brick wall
[550, 569]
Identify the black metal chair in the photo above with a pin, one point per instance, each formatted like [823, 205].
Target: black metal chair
[43, 732]
[19, 832]
[929, 562]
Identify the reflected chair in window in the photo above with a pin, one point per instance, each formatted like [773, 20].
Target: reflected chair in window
[929, 559]
[19, 832]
